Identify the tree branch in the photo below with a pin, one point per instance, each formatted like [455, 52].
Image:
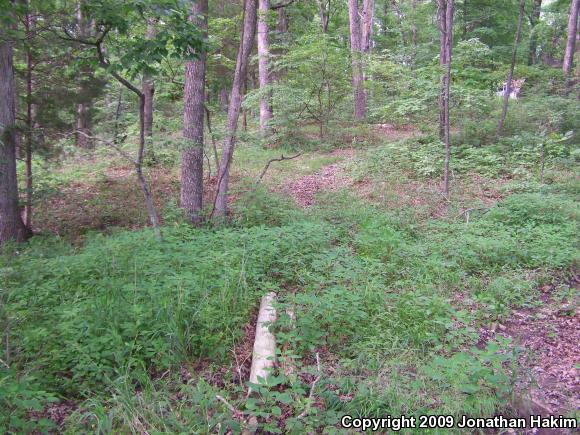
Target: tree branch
[106, 142]
[281, 5]
[312, 387]
[105, 64]
[215, 151]
[279, 159]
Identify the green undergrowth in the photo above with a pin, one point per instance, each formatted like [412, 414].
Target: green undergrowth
[523, 156]
[76, 320]
[391, 307]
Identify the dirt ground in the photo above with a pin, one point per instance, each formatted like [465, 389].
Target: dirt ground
[549, 377]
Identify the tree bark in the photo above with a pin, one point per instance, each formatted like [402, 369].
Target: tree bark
[414, 29]
[446, 12]
[442, 23]
[246, 44]
[465, 20]
[282, 22]
[357, 67]
[578, 60]
[263, 65]
[282, 25]
[368, 15]
[510, 76]
[11, 225]
[323, 14]
[193, 121]
[534, 20]
[264, 351]
[138, 163]
[571, 41]
[83, 125]
[385, 18]
[244, 110]
[224, 99]
[151, 211]
[83, 120]
[149, 88]
[400, 18]
[29, 23]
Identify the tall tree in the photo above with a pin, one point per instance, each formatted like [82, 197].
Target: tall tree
[11, 225]
[367, 22]
[384, 19]
[445, 13]
[282, 21]
[138, 58]
[571, 40]
[29, 23]
[442, 23]
[324, 14]
[263, 64]
[414, 29]
[83, 127]
[244, 51]
[138, 162]
[360, 100]
[508, 87]
[534, 19]
[465, 19]
[149, 86]
[193, 130]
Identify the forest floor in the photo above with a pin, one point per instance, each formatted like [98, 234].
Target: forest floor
[545, 331]
[548, 335]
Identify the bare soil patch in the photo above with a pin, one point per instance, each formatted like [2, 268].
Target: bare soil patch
[549, 337]
[426, 199]
[305, 189]
[114, 200]
[396, 132]
[330, 178]
[548, 379]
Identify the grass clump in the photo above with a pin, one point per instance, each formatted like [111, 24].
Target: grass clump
[126, 303]
[391, 303]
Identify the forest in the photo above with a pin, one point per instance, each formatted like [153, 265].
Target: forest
[289, 216]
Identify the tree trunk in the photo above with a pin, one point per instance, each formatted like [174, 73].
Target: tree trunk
[282, 25]
[400, 18]
[151, 211]
[445, 14]
[510, 76]
[28, 23]
[534, 20]
[264, 351]
[263, 65]
[414, 29]
[367, 21]
[578, 61]
[465, 20]
[357, 69]
[442, 22]
[282, 22]
[149, 88]
[385, 18]
[323, 15]
[224, 99]
[11, 225]
[571, 42]
[83, 120]
[138, 163]
[83, 125]
[244, 110]
[246, 44]
[193, 131]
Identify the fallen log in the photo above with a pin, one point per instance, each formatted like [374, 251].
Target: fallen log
[264, 354]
